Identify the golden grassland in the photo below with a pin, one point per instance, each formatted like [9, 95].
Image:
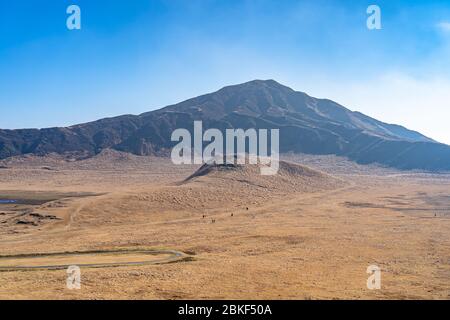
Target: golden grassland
[304, 234]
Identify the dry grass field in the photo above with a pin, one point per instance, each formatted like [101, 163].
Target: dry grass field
[308, 233]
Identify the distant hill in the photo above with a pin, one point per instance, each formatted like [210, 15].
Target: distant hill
[291, 177]
[307, 125]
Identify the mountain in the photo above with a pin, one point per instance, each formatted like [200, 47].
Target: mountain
[307, 125]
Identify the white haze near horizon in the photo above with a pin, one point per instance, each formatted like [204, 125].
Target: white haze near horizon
[421, 105]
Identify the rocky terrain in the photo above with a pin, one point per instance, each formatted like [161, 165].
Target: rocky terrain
[307, 125]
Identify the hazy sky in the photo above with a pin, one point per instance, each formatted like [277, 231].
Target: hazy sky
[136, 56]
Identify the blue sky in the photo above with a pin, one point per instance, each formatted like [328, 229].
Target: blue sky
[136, 56]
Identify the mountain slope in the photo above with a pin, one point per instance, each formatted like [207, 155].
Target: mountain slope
[307, 124]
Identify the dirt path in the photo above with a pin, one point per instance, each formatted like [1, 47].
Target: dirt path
[89, 259]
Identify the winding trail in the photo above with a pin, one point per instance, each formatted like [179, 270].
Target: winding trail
[111, 258]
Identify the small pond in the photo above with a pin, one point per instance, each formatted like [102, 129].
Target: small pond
[7, 201]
